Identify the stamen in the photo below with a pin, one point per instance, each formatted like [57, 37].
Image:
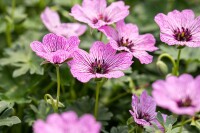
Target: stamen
[183, 34]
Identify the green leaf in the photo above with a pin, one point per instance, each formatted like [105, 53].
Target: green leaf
[6, 110]
[86, 105]
[22, 58]
[160, 118]
[120, 129]
[170, 120]
[39, 111]
[9, 121]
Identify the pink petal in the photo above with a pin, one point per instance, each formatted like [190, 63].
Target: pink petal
[72, 44]
[37, 46]
[101, 51]
[52, 42]
[97, 5]
[143, 56]
[129, 31]
[83, 15]
[145, 42]
[116, 11]
[50, 19]
[110, 32]
[81, 65]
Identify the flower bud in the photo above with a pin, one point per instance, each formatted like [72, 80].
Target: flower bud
[162, 67]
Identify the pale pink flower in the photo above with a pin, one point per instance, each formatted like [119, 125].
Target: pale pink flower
[96, 13]
[179, 28]
[55, 49]
[126, 38]
[51, 20]
[101, 62]
[178, 94]
[67, 122]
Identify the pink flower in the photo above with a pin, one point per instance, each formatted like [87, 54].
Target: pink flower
[178, 94]
[102, 61]
[67, 122]
[144, 111]
[55, 49]
[179, 28]
[126, 38]
[96, 13]
[51, 20]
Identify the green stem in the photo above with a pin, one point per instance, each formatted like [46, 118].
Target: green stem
[47, 97]
[98, 87]
[117, 97]
[58, 87]
[13, 9]
[170, 58]
[101, 36]
[8, 34]
[182, 124]
[72, 92]
[177, 63]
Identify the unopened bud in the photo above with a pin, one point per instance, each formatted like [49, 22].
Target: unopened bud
[162, 67]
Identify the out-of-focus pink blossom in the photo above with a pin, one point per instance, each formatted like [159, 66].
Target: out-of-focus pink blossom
[126, 38]
[55, 49]
[51, 20]
[67, 122]
[96, 13]
[178, 94]
[101, 62]
[179, 28]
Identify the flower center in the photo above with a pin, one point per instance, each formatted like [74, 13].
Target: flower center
[144, 116]
[126, 43]
[100, 17]
[182, 34]
[98, 67]
[186, 102]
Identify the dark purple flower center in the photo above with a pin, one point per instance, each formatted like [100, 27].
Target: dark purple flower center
[99, 67]
[144, 116]
[185, 102]
[183, 34]
[100, 17]
[126, 43]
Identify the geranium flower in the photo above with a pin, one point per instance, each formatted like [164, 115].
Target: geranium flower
[179, 28]
[102, 61]
[51, 20]
[126, 38]
[144, 111]
[55, 49]
[67, 122]
[178, 94]
[96, 13]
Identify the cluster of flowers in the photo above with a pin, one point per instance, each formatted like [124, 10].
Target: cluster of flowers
[178, 94]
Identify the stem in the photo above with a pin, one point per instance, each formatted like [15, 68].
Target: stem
[182, 123]
[171, 59]
[13, 9]
[58, 87]
[177, 63]
[72, 92]
[8, 34]
[117, 97]
[97, 98]
[101, 36]
[47, 97]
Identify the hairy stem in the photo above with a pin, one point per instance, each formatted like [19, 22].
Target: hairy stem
[58, 87]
